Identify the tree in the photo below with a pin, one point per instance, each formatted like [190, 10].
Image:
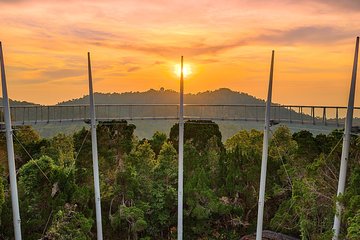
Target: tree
[353, 231]
[198, 132]
[131, 218]
[307, 144]
[132, 194]
[61, 149]
[162, 216]
[2, 194]
[308, 211]
[157, 141]
[69, 224]
[44, 188]
[27, 145]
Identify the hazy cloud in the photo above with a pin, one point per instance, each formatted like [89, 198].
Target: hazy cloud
[304, 34]
[21, 68]
[208, 60]
[347, 4]
[11, 1]
[172, 50]
[307, 34]
[90, 34]
[62, 73]
[133, 69]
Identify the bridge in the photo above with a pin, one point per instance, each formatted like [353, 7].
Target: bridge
[271, 113]
[332, 116]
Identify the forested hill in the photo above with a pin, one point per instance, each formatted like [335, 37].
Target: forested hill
[17, 103]
[220, 96]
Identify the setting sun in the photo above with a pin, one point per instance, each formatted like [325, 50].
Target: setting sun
[186, 70]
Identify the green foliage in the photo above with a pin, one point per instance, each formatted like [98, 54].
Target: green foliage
[44, 187]
[2, 195]
[198, 132]
[132, 217]
[157, 141]
[353, 231]
[310, 183]
[240, 177]
[69, 224]
[27, 145]
[139, 184]
[61, 149]
[163, 193]
[352, 201]
[117, 134]
[136, 176]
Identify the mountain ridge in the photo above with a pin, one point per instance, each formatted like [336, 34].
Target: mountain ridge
[162, 96]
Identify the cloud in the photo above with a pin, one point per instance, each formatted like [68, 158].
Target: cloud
[174, 50]
[133, 69]
[208, 60]
[62, 73]
[93, 34]
[306, 34]
[22, 68]
[11, 1]
[345, 4]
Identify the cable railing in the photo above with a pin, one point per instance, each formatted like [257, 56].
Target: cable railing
[293, 114]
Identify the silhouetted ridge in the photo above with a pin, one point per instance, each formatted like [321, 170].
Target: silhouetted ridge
[219, 96]
[17, 103]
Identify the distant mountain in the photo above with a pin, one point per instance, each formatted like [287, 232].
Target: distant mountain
[152, 96]
[220, 96]
[17, 103]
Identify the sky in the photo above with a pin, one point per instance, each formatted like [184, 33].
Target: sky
[135, 45]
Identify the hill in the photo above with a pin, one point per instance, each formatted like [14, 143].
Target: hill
[17, 103]
[152, 96]
[162, 96]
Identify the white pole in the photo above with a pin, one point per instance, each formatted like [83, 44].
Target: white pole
[181, 156]
[95, 155]
[346, 145]
[264, 155]
[10, 152]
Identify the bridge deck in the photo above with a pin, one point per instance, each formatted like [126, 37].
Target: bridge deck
[285, 114]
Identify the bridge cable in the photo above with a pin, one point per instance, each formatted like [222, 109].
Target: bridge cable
[47, 222]
[82, 144]
[293, 202]
[31, 157]
[287, 174]
[281, 158]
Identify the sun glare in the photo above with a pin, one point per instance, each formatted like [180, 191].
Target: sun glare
[186, 70]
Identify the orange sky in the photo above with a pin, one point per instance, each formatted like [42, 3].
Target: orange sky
[135, 45]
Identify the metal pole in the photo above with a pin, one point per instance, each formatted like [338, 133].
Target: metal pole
[346, 145]
[259, 228]
[95, 155]
[10, 152]
[181, 157]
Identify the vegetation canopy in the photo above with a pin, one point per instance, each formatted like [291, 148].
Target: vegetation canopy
[138, 180]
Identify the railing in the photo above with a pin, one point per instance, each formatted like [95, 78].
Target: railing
[314, 115]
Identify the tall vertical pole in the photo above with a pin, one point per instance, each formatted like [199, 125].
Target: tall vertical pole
[265, 155]
[181, 156]
[95, 155]
[346, 145]
[10, 152]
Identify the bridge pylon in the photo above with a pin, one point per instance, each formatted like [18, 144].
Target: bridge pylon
[95, 155]
[10, 152]
[264, 159]
[346, 145]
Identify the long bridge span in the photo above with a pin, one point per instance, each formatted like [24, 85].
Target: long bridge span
[285, 114]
